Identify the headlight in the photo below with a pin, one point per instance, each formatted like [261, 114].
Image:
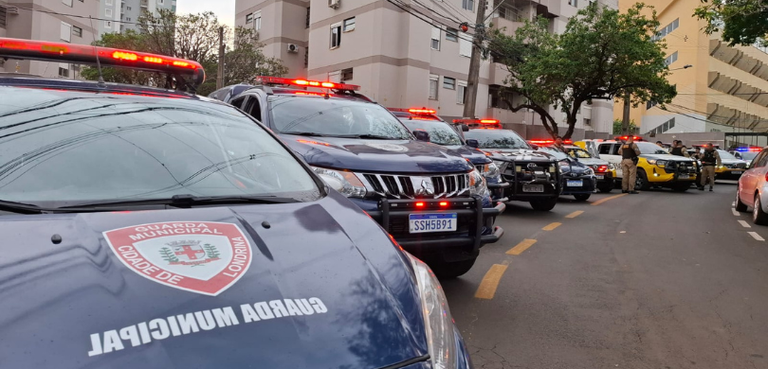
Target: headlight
[437, 317]
[345, 182]
[477, 184]
[491, 171]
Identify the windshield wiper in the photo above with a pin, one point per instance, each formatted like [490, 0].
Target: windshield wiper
[308, 134]
[181, 201]
[370, 136]
[20, 207]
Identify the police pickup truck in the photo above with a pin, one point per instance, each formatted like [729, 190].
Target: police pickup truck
[151, 228]
[533, 176]
[428, 198]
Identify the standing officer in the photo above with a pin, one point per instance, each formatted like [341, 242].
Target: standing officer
[559, 144]
[629, 156]
[709, 159]
[678, 149]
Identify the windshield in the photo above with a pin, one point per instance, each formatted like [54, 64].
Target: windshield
[439, 132]
[725, 155]
[497, 139]
[578, 153]
[559, 155]
[334, 117]
[78, 147]
[650, 148]
[748, 155]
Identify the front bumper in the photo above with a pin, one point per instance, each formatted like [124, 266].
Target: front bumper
[588, 185]
[728, 173]
[605, 178]
[474, 226]
[524, 185]
[659, 176]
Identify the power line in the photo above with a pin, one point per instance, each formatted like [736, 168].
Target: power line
[449, 17]
[75, 15]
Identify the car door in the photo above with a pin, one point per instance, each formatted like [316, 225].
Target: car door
[609, 152]
[752, 178]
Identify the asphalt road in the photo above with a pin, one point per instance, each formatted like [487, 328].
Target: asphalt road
[654, 280]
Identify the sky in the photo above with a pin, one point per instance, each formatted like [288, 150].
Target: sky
[224, 9]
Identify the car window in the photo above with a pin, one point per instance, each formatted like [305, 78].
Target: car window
[72, 148]
[725, 155]
[650, 148]
[334, 117]
[497, 139]
[440, 133]
[760, 160]
[608, 149]
[578, 153]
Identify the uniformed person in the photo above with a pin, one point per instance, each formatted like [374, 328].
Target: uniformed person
[559, 144]
[659, 144]
[678, 149]
[629, 154]
[697, 153]
[709, 160]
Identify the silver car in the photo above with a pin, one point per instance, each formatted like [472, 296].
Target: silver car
[753, 189]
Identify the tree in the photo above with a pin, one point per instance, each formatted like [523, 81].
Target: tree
[742, 22]
[603, 54]
[618, 129]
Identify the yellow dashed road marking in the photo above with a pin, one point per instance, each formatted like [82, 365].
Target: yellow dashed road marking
[598, 202]
[574, 214]
[490, 282]
[522, 246]
[551, 226]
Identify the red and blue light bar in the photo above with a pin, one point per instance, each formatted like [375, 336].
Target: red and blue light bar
[624, 138]
[749, 149]
[84, 54]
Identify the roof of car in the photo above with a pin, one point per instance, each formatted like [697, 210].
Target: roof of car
[28, 81]
[295, 91]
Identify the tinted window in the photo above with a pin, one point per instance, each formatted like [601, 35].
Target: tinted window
[497, 139]
[439, 132]
[74, 147]
[334, 117]
[608, 149]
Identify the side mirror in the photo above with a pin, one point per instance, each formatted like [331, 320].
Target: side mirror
[471, 142]
[464, 128]
[421, 135]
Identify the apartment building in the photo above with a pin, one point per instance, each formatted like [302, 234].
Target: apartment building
[723, 89]
[48, 20]
[127, 12]
[403, 61]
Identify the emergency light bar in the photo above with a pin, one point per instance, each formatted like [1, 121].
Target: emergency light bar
[267, 80]
[422, 111]
[549, 142]
[476, 121]
[624, 138]
[83, 54]
[749, 149]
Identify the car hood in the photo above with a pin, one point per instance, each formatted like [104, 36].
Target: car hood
[393, 156]
[573, 167]
[592, 161]
[345, 300]
[476, 156]
[666, 157]
[520, 154]
[733, 161]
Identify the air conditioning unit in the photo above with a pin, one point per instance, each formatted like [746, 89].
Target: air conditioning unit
[293, 48]
[334, 4]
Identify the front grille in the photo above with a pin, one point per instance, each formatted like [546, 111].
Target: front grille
[397, 186]
[736, 166]
[681, 167]
[530, 171]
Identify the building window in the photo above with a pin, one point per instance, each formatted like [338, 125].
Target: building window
[461, 93]
[435, 44]
[108, 12]
[666, 30]
[335, 35]
[257, 21]
[77, 31]
[67, 3]
[3, 15]
[468, 5]
[307, 25]
[465, 45]
[449, 83]
[587, 122]
[671, 59]
[649, 105]
[452, 34]
[573, 3]
[129, 8]
[433, 80]
[109, 2]
[108, 24]
[347, 74]
[306, 57]
[66, 32]
[349, 24]
[249, 18]
[63, 72]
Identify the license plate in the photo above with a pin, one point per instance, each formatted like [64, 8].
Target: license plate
[600, 176]
[533, 188]
[735, 172]
[683, 176]
[575, 183]
[424, 223]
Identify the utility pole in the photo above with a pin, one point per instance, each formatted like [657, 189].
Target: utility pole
[220, 71]
[474, 63]
[625, 120]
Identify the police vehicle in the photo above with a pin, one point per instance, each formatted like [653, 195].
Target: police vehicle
[604, 171]
[533, 176]
[150, 228]
[428, 198]
[746, 153]
[444, 134]
[578, 179]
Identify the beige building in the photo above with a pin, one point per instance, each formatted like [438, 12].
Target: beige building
[403, 61]
[724, 90]
[46, 20]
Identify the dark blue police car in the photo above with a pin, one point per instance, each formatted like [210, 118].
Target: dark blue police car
[577, 179]
[150, 228]
[429, 198]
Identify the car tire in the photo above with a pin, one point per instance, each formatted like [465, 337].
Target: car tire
[641, 183]
[544, 205]
[453, 269]
[582, 197]
[758, 215]
[606, 188]
[740, 206]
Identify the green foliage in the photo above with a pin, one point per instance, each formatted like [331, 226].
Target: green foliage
[742, 22]
[617, 127]
[211, 251]
[168, 255]
[603, 54]
[194, 37]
